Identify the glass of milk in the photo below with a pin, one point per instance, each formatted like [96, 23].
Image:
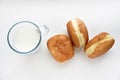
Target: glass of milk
[25, 36]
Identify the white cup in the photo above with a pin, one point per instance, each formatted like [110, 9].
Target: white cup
[25, 36]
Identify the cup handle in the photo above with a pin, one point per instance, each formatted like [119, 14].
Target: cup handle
[44, 30]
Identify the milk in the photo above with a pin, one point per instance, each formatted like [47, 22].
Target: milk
[26, 37]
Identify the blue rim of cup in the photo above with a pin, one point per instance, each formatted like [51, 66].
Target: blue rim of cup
[8, 36]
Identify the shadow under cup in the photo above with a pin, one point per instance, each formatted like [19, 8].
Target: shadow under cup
[24, 37]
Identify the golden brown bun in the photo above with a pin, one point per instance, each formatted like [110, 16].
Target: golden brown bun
[99, 45]
[72, 32]
[60, 47]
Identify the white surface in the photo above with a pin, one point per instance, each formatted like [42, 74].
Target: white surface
[98, 16]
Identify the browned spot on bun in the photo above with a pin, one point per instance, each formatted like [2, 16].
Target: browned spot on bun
[60, 47]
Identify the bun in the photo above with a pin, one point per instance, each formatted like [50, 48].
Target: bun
[60, 47]
[99, 45]
[77, 32]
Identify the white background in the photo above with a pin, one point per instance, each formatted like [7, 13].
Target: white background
[98, 15]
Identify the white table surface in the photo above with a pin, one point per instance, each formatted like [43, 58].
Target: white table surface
[99, 16]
